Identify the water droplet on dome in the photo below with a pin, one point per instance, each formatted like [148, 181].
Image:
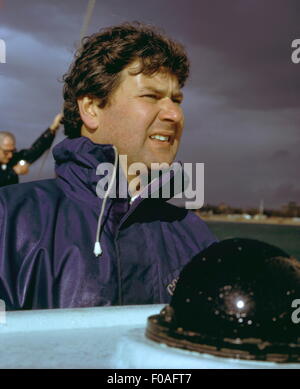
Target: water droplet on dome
[240, 304]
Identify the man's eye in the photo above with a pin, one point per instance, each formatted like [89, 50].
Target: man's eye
[151, 96]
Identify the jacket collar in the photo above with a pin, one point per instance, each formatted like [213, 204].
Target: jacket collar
[76, 162]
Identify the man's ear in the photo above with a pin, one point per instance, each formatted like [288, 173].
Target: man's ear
[89, 112]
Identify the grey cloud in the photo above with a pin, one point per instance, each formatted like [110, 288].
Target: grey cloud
[241, 103]
[280, 155]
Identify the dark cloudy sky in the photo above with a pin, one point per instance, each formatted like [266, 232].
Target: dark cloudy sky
[241, 102]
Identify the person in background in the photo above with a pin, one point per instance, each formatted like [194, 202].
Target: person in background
[14, 163]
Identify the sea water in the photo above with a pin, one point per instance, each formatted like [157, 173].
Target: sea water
[285, 237]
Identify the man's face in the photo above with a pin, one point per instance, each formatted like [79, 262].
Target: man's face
[7, 149]
[143, 106]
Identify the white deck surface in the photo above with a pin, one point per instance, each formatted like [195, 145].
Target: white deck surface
[104, 337]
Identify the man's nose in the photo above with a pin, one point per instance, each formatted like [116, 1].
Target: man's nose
[171, 111]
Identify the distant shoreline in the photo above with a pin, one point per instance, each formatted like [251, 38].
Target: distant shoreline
[282, 221]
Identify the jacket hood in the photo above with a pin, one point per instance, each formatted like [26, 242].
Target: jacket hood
[76, 162]
[83, 152]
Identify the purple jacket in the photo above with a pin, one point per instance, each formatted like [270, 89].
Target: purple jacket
[48, 231]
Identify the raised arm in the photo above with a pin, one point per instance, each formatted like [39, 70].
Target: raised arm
[43, 142]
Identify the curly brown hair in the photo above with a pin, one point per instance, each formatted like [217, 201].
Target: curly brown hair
[97, 65]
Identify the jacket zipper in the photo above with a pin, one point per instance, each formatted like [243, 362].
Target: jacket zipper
[119, 270]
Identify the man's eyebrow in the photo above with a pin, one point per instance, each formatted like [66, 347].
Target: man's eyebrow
[161, 91]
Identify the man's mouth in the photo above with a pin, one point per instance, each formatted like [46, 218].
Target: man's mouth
[161, 138]
[164, 138]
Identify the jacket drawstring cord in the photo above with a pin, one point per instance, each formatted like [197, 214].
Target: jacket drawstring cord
[97, 247]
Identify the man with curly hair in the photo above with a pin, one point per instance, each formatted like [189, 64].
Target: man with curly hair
[68, 246]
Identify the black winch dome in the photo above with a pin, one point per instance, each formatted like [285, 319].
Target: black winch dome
[235, 299]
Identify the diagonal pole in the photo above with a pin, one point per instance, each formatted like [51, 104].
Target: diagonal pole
[83, 31]
[87, 18]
